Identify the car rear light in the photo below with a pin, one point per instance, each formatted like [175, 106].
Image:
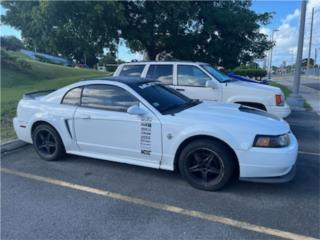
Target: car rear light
[279, 100]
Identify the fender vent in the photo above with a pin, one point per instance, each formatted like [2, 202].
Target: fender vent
[68, 127]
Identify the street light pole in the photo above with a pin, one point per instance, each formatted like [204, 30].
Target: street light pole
[295, 99]
[270, 56]
[310, 41]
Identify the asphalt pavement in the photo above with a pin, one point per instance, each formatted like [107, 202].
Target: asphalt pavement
[36, 209]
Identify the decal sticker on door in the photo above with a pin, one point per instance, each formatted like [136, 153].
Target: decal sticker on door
[145, 136]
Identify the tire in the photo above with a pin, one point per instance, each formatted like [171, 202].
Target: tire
[47, 143]
[206, 164]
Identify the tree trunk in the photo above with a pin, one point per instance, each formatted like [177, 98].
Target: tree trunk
[151, 54]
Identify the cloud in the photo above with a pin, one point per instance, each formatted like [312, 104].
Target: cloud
[286, 38]
[292, 16]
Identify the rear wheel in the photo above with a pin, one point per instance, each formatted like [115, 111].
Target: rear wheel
[47, 143]
[206, 164]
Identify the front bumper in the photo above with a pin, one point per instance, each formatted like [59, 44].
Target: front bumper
[268, 162]
[280, 111]
[282, 179]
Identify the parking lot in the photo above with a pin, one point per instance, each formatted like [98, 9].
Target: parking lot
[82, 198]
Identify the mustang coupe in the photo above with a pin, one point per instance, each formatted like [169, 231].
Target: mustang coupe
[142, 122]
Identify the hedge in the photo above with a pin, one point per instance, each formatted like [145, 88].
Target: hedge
[256, 73]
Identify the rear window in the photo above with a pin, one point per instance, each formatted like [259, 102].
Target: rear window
[161, 72]
[73, 96]
[132, 70]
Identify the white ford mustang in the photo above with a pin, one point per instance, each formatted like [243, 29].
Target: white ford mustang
[145, 123]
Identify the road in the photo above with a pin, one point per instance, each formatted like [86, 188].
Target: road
[119, 201]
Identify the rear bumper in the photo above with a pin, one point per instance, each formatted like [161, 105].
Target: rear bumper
[280, 111]
[22, 130]
[268, 162]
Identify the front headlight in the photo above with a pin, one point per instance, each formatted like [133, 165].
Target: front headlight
[272, 141]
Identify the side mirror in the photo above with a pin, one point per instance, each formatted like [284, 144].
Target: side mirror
[136, 110]
[211, 84]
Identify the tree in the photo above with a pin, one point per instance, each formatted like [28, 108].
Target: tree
[305, 62]
[224, 33]
[219, 32]
[154, 26]
[11, 43]
[108, 59]
[78, 30]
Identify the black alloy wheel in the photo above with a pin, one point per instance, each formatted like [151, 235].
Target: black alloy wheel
[207, 164]
[204, 166]
[47, 142]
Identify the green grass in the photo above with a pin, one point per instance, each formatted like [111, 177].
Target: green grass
[286, 91]
[40, 76]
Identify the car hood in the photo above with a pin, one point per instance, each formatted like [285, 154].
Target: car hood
[253, 86]
[235, 115]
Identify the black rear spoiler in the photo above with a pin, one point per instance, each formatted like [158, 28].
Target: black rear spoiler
[33, 95]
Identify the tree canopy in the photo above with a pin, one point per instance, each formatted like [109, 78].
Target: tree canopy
[11, 43]
[218, 32]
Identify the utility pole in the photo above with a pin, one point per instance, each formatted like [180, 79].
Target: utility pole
[310, 41]
[295, 100]
[270, 56]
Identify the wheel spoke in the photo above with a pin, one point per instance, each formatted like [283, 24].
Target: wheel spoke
[48, 148]
[204, 175]
[41, 137]
[195, 168]
[197, 157]
[42, 146]
[48, 137]
[213, 170]
[51, 144]
[210, 158]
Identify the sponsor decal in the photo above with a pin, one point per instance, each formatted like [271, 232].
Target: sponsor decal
[149, 84]
[145, 135]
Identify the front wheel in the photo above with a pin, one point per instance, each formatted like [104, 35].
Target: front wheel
[206, 164]
[47, 143]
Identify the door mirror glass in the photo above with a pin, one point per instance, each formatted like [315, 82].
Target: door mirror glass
[136, 110]
[211, 84]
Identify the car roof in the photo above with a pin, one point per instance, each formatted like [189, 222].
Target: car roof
[130, 81]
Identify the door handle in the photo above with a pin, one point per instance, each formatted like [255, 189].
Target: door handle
[84, 116]
[180, 89]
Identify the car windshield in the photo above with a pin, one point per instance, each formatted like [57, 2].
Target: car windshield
[165, 99]
[221, 77]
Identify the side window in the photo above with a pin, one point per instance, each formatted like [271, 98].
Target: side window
[107, 97]
[189, 75]
[132, 70]
[162, 73]
[72, 97]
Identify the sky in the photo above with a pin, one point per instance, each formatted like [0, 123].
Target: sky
[286, 15]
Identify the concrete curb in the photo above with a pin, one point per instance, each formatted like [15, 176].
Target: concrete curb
[12, 145]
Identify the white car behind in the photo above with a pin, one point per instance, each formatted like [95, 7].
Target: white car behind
[202, 81]
[145, 123]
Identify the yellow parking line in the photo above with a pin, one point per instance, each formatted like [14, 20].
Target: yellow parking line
[161, 206]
